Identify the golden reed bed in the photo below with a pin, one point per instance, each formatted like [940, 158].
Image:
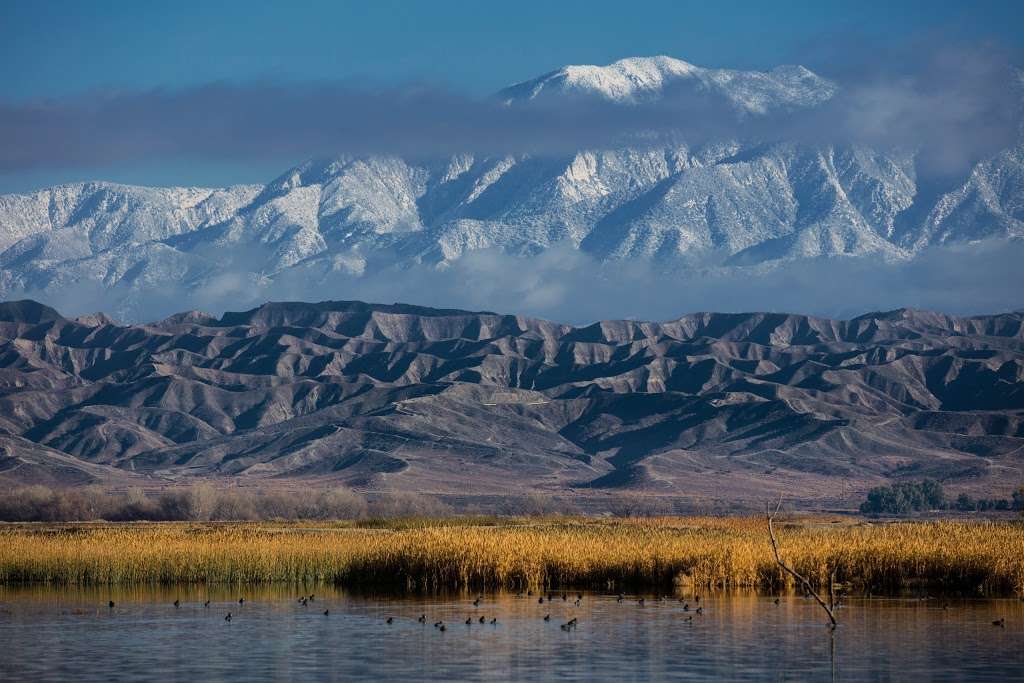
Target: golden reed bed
[986, 557]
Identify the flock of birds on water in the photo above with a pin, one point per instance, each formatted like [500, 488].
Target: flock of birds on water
[551, 598]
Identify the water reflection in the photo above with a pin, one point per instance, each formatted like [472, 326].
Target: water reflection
[67, 633]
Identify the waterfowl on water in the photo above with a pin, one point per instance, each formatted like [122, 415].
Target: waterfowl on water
[529, 594]
[389, 620]
[579, 596]
[620, 598]
[640, 602]
[438, 624]
[573, 621]
[110, 604]
[577, 603]
[1000, 623]
[482, 620]
[442, 627]
[700, 610]
[686, 607]
[476, 603]
[312, 597]
[547, 617]
[688, 620]
[206, 604]
[228, 617]
[776, 601]
[304, 602]
[422, 619]
[494, 621]
[540, 600]
[564, 597]
[327, 613]
[241, 601]
[177, 603]
[696, 598]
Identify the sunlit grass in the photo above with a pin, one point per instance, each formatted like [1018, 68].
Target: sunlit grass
[520, 553]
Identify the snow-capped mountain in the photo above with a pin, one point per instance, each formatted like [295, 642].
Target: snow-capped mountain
[643, 79]
[725, 203]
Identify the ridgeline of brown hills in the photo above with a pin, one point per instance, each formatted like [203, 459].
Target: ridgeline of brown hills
[723, 409]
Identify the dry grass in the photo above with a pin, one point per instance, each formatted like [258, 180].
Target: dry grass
[983, 557]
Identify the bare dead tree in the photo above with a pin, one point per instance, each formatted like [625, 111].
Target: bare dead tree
[828, 607]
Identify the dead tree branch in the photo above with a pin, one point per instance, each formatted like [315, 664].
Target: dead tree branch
[829, 608]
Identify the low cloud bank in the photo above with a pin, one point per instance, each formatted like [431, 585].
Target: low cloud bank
[956, 105]
[566, 285]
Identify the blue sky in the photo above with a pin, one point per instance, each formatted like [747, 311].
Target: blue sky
[60, 49]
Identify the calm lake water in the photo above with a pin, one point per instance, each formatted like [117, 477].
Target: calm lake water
[51, 634]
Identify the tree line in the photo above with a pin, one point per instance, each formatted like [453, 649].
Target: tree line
[905, 497]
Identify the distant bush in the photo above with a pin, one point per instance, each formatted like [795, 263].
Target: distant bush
[902, 498]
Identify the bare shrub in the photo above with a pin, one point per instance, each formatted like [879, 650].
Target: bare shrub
[407, 504]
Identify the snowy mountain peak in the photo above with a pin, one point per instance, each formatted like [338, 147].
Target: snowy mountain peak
[636, 80]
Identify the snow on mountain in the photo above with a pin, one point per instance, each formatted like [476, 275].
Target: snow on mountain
[727, 202]
[643, 79]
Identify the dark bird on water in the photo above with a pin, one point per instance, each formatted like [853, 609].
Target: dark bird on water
[228, 617]
[776, 601]
[304, 602]
[312, 597]
[438, 624]
[390, 620]
[177, 603]
[577, 603]
[579, 596]
[494, 621]
[640, 602]
[1000, 623]
[206, 604]
[482, 620]
[442, 627]
[696, 598]
[241, 601]
[688, 620]
[540, 600]
[700, 610]
[619, 599]
[476, 603]
[110, 604]
[529, 594]
[469, 620]
[422, 619]
[327, 612]
[547, 617]
[564, 597]
[686, 607]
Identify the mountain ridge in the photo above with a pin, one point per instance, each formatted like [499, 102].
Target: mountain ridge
[444, 401]
[724, 205]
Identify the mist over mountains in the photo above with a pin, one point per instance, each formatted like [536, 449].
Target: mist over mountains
[700, 189]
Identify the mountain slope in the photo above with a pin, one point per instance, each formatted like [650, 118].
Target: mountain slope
[445, 401]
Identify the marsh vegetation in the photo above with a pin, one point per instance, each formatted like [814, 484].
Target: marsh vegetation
[423, 554]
